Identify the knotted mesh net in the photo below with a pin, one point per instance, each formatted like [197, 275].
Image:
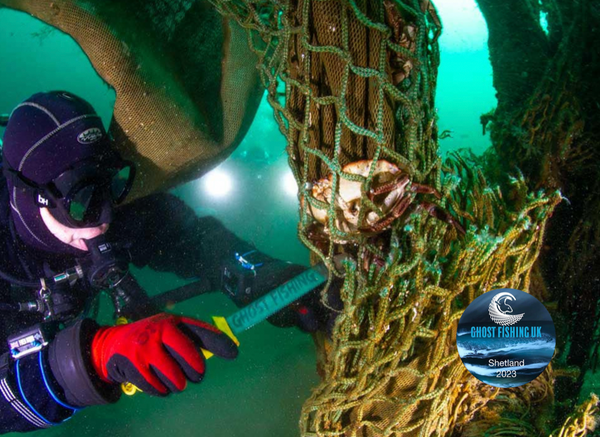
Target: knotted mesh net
[352, 84]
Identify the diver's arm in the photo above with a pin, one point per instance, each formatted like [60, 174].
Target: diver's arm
[167, 235]
[85, 364]
[46, 388]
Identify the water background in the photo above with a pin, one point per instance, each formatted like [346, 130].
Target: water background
[261, 393]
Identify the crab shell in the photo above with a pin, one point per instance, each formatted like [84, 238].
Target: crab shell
[348, 201]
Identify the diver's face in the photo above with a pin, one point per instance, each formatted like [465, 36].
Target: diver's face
[72, 236]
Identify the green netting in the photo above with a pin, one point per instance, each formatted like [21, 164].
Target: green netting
[352, 84]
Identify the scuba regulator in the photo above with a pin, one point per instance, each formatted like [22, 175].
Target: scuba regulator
[104, 268]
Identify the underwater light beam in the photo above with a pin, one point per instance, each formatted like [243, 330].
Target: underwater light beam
[289, 184]
[217, 183]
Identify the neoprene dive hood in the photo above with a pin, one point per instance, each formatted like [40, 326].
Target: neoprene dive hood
[57, 154]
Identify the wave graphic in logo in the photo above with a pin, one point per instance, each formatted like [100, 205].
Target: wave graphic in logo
[500, 316]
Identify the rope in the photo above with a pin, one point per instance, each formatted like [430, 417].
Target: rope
[352, 84]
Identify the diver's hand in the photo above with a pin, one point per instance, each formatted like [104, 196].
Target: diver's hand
[317, 310]
[159, 353]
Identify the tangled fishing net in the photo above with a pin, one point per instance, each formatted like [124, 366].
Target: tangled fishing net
[352, 85]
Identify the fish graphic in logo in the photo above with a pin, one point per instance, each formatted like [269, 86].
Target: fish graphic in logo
[500, 316]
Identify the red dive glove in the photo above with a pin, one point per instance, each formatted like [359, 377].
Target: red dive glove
[157, 354]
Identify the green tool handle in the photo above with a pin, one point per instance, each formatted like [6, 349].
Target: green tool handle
[277, 299]
[260, 309]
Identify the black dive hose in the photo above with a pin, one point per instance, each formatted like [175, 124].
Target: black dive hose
[99, 269]
[161, 300]
[181, 294]
[17, 307]
[19, 282]
[10, 307]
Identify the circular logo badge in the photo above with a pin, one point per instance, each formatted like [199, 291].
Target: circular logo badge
[90, 136]
[506, 338]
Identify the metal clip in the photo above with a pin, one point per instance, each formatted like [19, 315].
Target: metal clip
[245, 263]
[45, 296]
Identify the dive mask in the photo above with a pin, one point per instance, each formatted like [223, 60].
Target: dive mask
[81, 196]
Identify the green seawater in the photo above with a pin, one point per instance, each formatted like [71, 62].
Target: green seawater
[259, 394]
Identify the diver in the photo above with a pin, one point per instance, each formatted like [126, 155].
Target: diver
[63, 240]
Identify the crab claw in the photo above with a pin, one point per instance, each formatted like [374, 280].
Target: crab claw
[438, 213]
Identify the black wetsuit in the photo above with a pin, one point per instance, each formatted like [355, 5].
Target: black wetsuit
[162, 233]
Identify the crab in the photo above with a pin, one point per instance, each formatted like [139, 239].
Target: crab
[403, 34]
[428, 8]
[391, 191]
